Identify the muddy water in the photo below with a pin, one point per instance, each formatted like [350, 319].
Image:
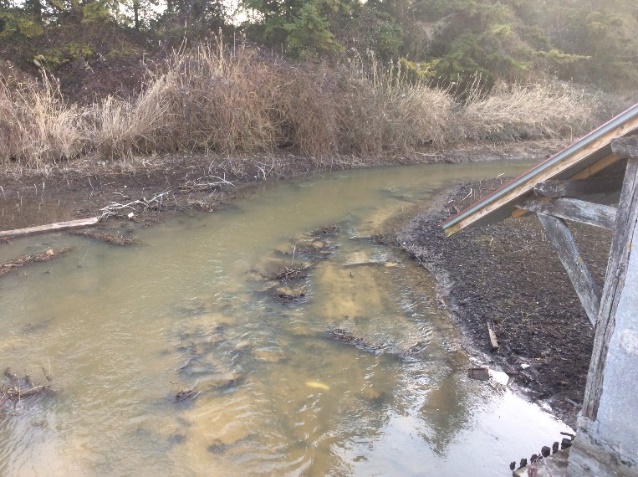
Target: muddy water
[178, 357]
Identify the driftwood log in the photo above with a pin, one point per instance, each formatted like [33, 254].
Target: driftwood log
[55, 227]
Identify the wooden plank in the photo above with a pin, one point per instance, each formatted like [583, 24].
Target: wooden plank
[579, 188]
[492, 335]
[625, 147]
[597, 166]
[576, 210]
[563, 242]
[614, 283]
[56, 227]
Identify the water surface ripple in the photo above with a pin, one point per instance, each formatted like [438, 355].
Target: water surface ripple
[177, 357]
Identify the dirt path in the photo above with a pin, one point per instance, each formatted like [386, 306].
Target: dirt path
[508, 274]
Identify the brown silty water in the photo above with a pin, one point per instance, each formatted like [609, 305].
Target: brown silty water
[274, 338]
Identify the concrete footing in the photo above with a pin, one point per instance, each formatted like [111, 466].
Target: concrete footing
[592, 458]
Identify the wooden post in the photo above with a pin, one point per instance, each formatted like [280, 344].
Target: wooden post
[564, 244]
[606, 444]
[627, 216]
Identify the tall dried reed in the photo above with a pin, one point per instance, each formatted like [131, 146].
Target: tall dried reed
[515, 112]
[37, 126]
[214, 99]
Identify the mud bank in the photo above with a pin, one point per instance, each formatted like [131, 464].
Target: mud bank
[185, 184]
[507, 274]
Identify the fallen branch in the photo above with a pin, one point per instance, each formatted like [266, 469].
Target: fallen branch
[108, 238]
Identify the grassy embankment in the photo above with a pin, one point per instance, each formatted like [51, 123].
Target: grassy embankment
[212, 101]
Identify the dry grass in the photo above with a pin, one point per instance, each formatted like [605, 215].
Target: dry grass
[515, 112]
[37, 126]
[215, 100]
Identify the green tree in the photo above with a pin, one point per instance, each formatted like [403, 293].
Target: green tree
[302, 28]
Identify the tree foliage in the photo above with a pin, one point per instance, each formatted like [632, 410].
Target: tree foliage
[451, 42]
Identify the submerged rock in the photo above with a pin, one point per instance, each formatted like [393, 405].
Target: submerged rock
[346, 337]
[220, 382]
[374, 396]
[290, 293]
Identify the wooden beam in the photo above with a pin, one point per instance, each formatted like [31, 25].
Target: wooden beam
[597, 166]
[625, 147]
[56, 227]
[576, 210]
[579, 188]
[563, 242]
[614, 283]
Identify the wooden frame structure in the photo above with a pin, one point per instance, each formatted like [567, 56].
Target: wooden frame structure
[579, 184]
[590, 158]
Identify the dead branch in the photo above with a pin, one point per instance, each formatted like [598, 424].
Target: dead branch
[116, 209]
[202, 184]
[55, 227]
[115, 239]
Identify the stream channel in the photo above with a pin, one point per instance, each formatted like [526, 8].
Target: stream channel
[183, 356]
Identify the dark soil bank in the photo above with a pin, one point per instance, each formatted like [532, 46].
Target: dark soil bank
[508, 274]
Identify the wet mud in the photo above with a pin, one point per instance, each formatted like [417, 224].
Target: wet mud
[508, 275]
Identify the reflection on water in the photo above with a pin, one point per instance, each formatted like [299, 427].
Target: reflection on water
[176, 358]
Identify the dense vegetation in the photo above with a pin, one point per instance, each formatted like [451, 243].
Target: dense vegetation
[118, 77]
[447, 41]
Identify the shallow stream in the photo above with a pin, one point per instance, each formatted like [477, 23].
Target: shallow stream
[183, 356]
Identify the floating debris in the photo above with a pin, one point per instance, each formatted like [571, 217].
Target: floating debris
[14, 388]
[45, 256]
[184, 394]
[114, 239]
[292, 273]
